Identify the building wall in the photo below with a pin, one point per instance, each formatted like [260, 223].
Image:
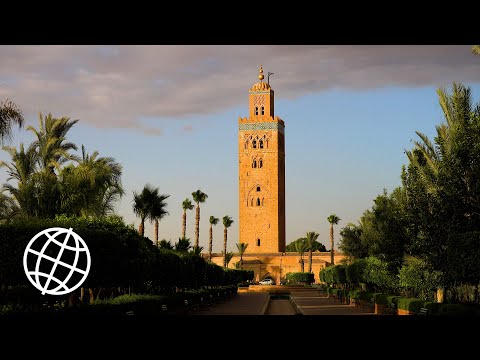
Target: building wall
[277, 265]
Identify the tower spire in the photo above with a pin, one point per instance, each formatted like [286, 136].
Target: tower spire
[260, 75]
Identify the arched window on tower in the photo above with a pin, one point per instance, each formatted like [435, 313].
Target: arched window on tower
[260, 144]
[258, 188]
[256, 110]
[258, 202]
[254, 144]
[254, 165]
[263, 110]
[260, 163]
[258, 242]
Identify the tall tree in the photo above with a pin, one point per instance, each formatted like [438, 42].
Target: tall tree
[316, 246]
[213, 221]
[227, 222]
[143, 204]
[21, 169]
[92, 187]
[301, 246]
[351, 243]
[241, 250]
[186, 205]
[311, 238]
[10, 114]
[199, 197]
[158, 212]
[333, 220]
[51, 144]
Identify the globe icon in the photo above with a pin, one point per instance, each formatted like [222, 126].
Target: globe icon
[56, 261]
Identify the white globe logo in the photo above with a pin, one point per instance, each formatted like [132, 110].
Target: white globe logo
[59, 267]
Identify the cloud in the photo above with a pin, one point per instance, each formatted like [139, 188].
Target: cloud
[117, 86]
[188, 128]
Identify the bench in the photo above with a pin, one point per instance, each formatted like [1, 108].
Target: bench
[423, 311]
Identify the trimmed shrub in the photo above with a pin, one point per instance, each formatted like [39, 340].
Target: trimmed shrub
[300, 278]
[378, 274]
[355, 271]
[383, 299]
[410, 304]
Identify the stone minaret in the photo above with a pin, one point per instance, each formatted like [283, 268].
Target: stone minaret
[261, 168]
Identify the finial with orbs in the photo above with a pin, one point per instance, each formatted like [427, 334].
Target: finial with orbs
[260, 75]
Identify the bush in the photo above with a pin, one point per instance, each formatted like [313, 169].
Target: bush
[300, 278]
[327, 275]
[355, 271]
[377, 273]
[417, 276]
[339, 274]
[410, 304]
[458, 310]
[383, 299]
[462, 258]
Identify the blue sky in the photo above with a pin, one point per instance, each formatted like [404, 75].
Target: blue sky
[344, 143]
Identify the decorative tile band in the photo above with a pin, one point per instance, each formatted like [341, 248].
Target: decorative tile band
[259, 92]
[261, 126]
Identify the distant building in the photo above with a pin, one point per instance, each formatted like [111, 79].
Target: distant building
[261, 167]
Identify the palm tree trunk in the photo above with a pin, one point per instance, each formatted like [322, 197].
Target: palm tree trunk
[302, 265]
[156, 232]
[141, 227]
[210, 244]
[184, 223]
[331, 245]
[197, 224]
[225, 247]
[310, 259]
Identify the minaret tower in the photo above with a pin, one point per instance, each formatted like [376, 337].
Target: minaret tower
[261, 167]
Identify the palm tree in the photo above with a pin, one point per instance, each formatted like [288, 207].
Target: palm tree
[51, 145]
[333, 220]
[227, 222]
[158, 212]
[301, 245]
[183, 245]
[311, 238]
[241, 250]
[92, 187]
[143, 203]
[213, 221]
[166, 245]
[10, 114]
[197, 250]
[186, 205]
[199, 197]
[228, 257]
[21, 169]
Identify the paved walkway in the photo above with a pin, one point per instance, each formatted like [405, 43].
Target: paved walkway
[247, 303]
[255, 303]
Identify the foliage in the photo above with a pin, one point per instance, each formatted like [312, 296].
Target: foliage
[417, 276]
[355, 271]
[228, 257]
[183, 245]
[383, 299]
[316, 246]
[462, 258]
[10, 114]
[300, 278]
[351, 242]
[165, 245]
[377, 273]
[410, 304]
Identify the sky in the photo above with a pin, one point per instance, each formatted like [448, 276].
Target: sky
[169, 115]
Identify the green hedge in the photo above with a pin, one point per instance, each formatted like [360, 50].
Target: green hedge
[300, 278]
[410, 304]
[120, 257]
[383, 299]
